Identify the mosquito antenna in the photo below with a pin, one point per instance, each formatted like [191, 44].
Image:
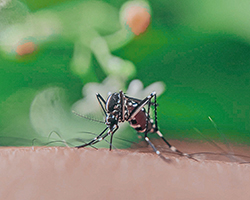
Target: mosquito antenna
[89, 118]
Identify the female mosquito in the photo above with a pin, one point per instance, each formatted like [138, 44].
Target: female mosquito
[120, 108]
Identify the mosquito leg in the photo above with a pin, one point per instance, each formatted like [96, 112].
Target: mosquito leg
[111, 137]
[173, 148]
[147, 116]
[100, 138]
[137, 100]
[87, 144]
[155, 150]
[156, 123]
[101, 102]
[156, 129]
[96, 139]
[122, 105]
[137, 109]
[134, 99]
[140, 106]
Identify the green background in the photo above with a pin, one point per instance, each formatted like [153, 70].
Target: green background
[200, 50]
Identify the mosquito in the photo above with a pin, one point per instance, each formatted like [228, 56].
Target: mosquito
[120, 108]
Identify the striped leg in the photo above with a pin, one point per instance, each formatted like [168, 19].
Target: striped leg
[148, 101]
[95, 140]
[164, 139]
[141, 105]
[172, 147]
[155, 150]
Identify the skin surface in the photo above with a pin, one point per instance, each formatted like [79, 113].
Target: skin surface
[69, 173]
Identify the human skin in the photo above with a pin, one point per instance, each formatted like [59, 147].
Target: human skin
[69, 173]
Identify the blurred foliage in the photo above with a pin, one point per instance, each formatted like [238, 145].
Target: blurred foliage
[200, 50]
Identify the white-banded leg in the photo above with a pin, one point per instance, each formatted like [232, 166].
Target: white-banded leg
[104, 136]
[146, 130]
[155, 150]
[122, 107]
[137, 109]
[141, 105]
[95, 140]
[100, 138]
[172, 148]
